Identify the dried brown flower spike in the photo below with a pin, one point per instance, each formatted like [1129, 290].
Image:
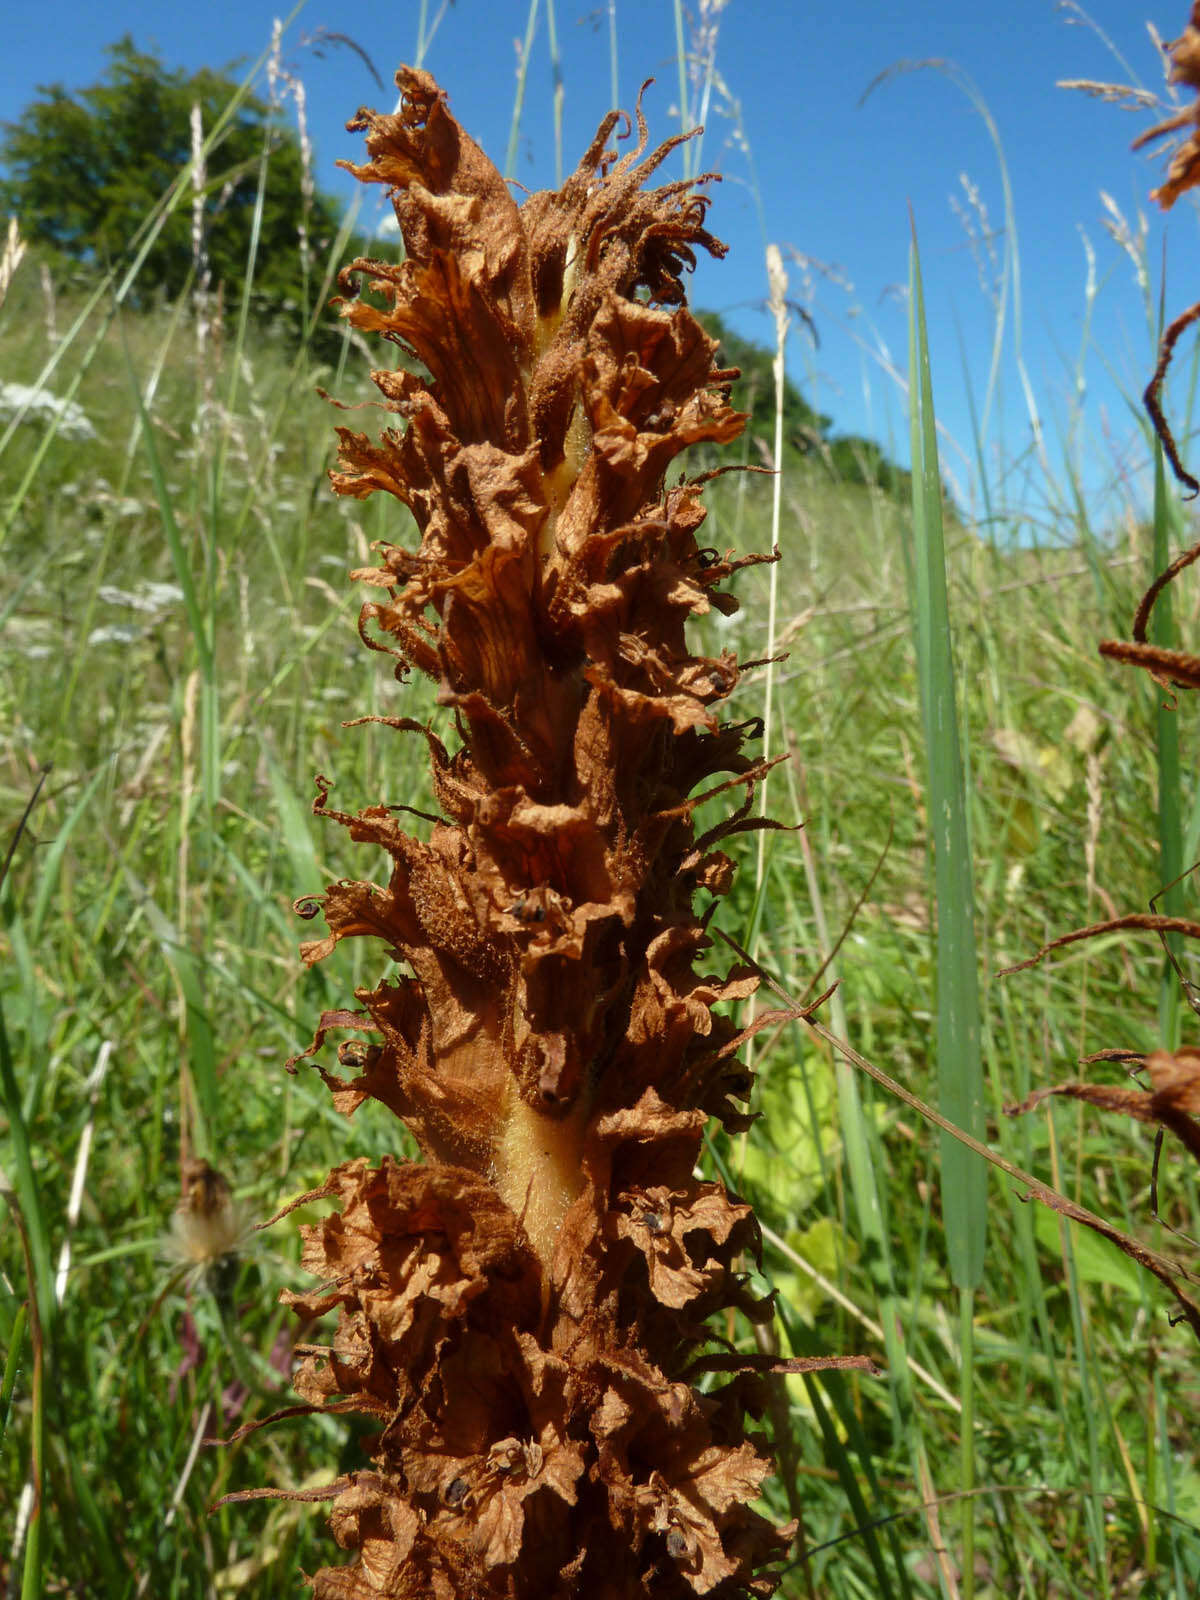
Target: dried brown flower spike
[1183, 173]
[524, 1311]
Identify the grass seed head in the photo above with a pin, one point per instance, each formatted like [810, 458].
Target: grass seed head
[207, 1226]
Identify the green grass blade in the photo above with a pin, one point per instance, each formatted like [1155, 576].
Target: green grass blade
[199, 1038]
[52, 864]
[12, 1365]
[28, 1190]
[559, 92]
[201, 621]
[840, 1439]
[27, 1213]
[959, 1029]
[865, 1167]
[681, 61]
[179, 558]
[514, 131]
[236, 365]
[1165, 633]
[614, 94]
[296, 835]
[960, 1068]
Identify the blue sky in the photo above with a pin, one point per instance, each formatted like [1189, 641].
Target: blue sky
[807, 164]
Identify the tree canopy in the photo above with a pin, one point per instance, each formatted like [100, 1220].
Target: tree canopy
[847, 457]
[754, 389]
[83, 171]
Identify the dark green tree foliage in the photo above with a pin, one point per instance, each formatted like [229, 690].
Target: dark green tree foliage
[754, 391]
[84, 170]
[846, 457]
[853, 459]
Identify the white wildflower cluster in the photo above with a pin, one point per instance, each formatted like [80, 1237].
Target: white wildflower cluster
[123, 633]
[151, 598]
[25, 404]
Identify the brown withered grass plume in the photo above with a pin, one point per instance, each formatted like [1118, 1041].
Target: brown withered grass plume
[524, 1313]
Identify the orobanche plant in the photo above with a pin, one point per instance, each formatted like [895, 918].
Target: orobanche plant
[524, 1313]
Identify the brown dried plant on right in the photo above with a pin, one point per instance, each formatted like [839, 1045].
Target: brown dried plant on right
[1183, 173]
[525, 1314]
[1170, 1099]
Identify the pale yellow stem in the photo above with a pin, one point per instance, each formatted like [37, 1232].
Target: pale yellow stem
[536, 1167]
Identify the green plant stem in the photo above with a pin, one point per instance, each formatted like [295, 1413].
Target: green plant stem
[514, 132]
[1164, 632]
[966, 1348]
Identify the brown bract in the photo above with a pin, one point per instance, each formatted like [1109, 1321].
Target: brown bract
[1172, 1101]
[1183, 171]
[515, 1312]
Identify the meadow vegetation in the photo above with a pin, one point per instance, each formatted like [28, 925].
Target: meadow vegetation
[178, 652]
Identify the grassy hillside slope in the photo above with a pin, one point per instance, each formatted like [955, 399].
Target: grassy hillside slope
[177, 656]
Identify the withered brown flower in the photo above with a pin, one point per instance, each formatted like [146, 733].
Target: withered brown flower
[1183, 172]
[519, 1311]
[207, 1226]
